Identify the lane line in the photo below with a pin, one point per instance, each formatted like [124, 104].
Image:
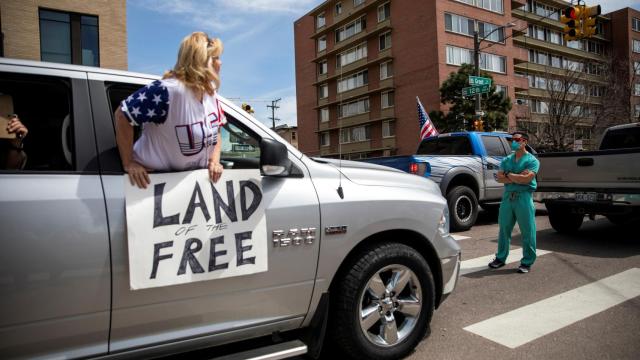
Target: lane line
[520, 326]
[481, 263]
[459, 237]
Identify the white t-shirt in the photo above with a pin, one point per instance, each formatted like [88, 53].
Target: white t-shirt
[178, 131]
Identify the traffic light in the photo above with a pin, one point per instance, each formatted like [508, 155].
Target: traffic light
[589, 20]
[246, 107]
[571, 17]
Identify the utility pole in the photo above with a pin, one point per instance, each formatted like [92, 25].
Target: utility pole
[273, 107]
[476, 60]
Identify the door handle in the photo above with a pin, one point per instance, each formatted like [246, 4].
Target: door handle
[585, 162]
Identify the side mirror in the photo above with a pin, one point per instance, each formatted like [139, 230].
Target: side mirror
[274, 159]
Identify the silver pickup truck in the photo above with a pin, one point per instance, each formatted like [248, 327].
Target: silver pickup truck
[604, 182]
[370, 276]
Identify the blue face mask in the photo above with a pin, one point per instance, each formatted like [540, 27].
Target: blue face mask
[515, 145]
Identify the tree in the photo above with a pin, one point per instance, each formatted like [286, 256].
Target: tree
[462, 109]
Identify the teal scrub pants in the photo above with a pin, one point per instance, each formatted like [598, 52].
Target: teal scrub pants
[517, 206]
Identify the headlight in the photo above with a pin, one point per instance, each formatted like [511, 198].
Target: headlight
[443, 225]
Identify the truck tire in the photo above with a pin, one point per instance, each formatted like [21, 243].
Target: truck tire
[382, 306]
[563, 220]
[463, 208]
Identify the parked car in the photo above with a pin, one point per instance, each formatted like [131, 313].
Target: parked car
[603, 182]
[381, 261]
[463, 164]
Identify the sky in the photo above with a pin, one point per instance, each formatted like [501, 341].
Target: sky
[258, 63]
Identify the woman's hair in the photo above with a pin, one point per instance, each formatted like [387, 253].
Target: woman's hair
[191, 68]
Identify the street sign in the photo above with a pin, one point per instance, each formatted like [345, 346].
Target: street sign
[478, 80]
[477, 89]
[480, 113]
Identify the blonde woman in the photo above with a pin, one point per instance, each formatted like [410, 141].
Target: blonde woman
[180, 116]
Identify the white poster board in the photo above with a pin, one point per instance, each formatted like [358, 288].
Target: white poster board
[184, 228]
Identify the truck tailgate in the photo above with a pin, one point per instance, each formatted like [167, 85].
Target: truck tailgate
[606, 170]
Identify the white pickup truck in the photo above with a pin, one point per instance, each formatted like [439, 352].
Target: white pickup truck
[603, 182]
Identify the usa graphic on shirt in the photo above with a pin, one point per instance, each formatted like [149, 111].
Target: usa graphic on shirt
[178, 131]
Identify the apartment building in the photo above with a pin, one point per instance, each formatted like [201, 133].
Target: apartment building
[361, 63]
[92, 33]
[289, 133]
[625, 34]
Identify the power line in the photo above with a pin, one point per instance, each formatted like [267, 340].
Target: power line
[273, 107]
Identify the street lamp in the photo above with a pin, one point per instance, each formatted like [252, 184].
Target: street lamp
[476, 53]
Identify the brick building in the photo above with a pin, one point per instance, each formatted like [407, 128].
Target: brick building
[625, 34]
[289, 133]
[90, 33]
[361, 63]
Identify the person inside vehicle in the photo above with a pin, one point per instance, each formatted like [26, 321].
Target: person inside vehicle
[12, 154]
[180, 116]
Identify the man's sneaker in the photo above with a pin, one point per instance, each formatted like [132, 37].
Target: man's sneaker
[496, 264]
[523, 269]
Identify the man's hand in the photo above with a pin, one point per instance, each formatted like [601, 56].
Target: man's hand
[501, 178]
[15, 126]
[138, 174]
[215, 170]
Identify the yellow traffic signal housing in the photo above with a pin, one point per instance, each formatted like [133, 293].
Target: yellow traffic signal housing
[247, 108]
[571, 17]
[589, 20]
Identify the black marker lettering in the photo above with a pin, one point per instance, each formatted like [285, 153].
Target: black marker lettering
[157, 257]
[257, 198]
[218, 203]
[158, 218]
[240, 250]
[213, 254]
[193, 204]
[187, 256]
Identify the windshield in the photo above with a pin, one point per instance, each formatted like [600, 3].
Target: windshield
[621, 139]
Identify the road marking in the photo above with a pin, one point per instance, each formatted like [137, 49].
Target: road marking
[478, 264]
[459, 237]
[530, 322]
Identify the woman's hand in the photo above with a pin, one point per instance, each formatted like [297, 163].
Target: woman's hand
[15, 126]
[215, 170]
[138, 174]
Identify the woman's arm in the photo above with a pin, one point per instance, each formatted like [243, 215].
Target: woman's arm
[214, 167]
[124, 138]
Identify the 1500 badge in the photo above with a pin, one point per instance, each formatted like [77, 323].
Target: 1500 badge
[293, 237]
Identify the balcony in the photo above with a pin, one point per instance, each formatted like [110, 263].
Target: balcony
[361, 119]
[383, 55]
[536, 19]
[354, 94]
[349, 13]
[544, 94]
[528, 68]
[531, 43]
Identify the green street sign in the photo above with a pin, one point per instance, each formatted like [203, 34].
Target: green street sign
[478, 80]
[477, 89]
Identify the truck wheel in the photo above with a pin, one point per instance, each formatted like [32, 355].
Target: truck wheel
[563, 220]
[382, 307]
[463, 208]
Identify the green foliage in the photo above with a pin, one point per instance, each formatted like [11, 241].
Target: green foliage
[462, 108]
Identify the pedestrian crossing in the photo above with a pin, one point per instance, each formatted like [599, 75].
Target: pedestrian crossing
[553, 313]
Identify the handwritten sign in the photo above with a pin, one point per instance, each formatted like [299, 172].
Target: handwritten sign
[184, 228]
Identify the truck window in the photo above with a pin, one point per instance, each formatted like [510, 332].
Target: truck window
[493, 145]
[43, 105]
[621, 139]
[451, 145]
[118, 92]
[240, 148]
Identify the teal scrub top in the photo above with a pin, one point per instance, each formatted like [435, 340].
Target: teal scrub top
[527, 161]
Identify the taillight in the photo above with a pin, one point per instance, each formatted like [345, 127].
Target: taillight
[413, 168]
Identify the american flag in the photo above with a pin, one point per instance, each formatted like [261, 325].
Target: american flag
[426, 126]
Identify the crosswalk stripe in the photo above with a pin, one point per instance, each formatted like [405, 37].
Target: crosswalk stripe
[530, 322]
[480, 263]
[460, 237]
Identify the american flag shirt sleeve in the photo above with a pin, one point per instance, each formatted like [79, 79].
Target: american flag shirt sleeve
[150, 104]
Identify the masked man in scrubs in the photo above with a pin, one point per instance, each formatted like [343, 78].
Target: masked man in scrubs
[518, 174]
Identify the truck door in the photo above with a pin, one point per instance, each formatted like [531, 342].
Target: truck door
[55, 276]
[495, 151]
[249, 305]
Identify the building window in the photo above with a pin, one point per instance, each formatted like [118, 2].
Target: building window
[596, 91]
[385, 40]
[573, 65]
[466, 26]
[338, 8]
[324, 115]
[636, 67]
[293, 135]
[387, 99]
[357, 2]
[322, 67]
[491, 5]
[351, 29]
[355, 134]
[502, 90]
[323, 91]
[386, 70]
[320, 21]
[322, 43]
[635, 24]
[556, 61]
[388, 129]
[636, 89]
[637, 111]
[636, 46]
[353, 81]
[354, 108]
[352, 55]
[325, 139]
[384, 12]
[595, 47]
[489, 62]
[69, 38]
[576, 44]
[539, 107]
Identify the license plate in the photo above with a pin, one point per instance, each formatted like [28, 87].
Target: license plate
[588, 196]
